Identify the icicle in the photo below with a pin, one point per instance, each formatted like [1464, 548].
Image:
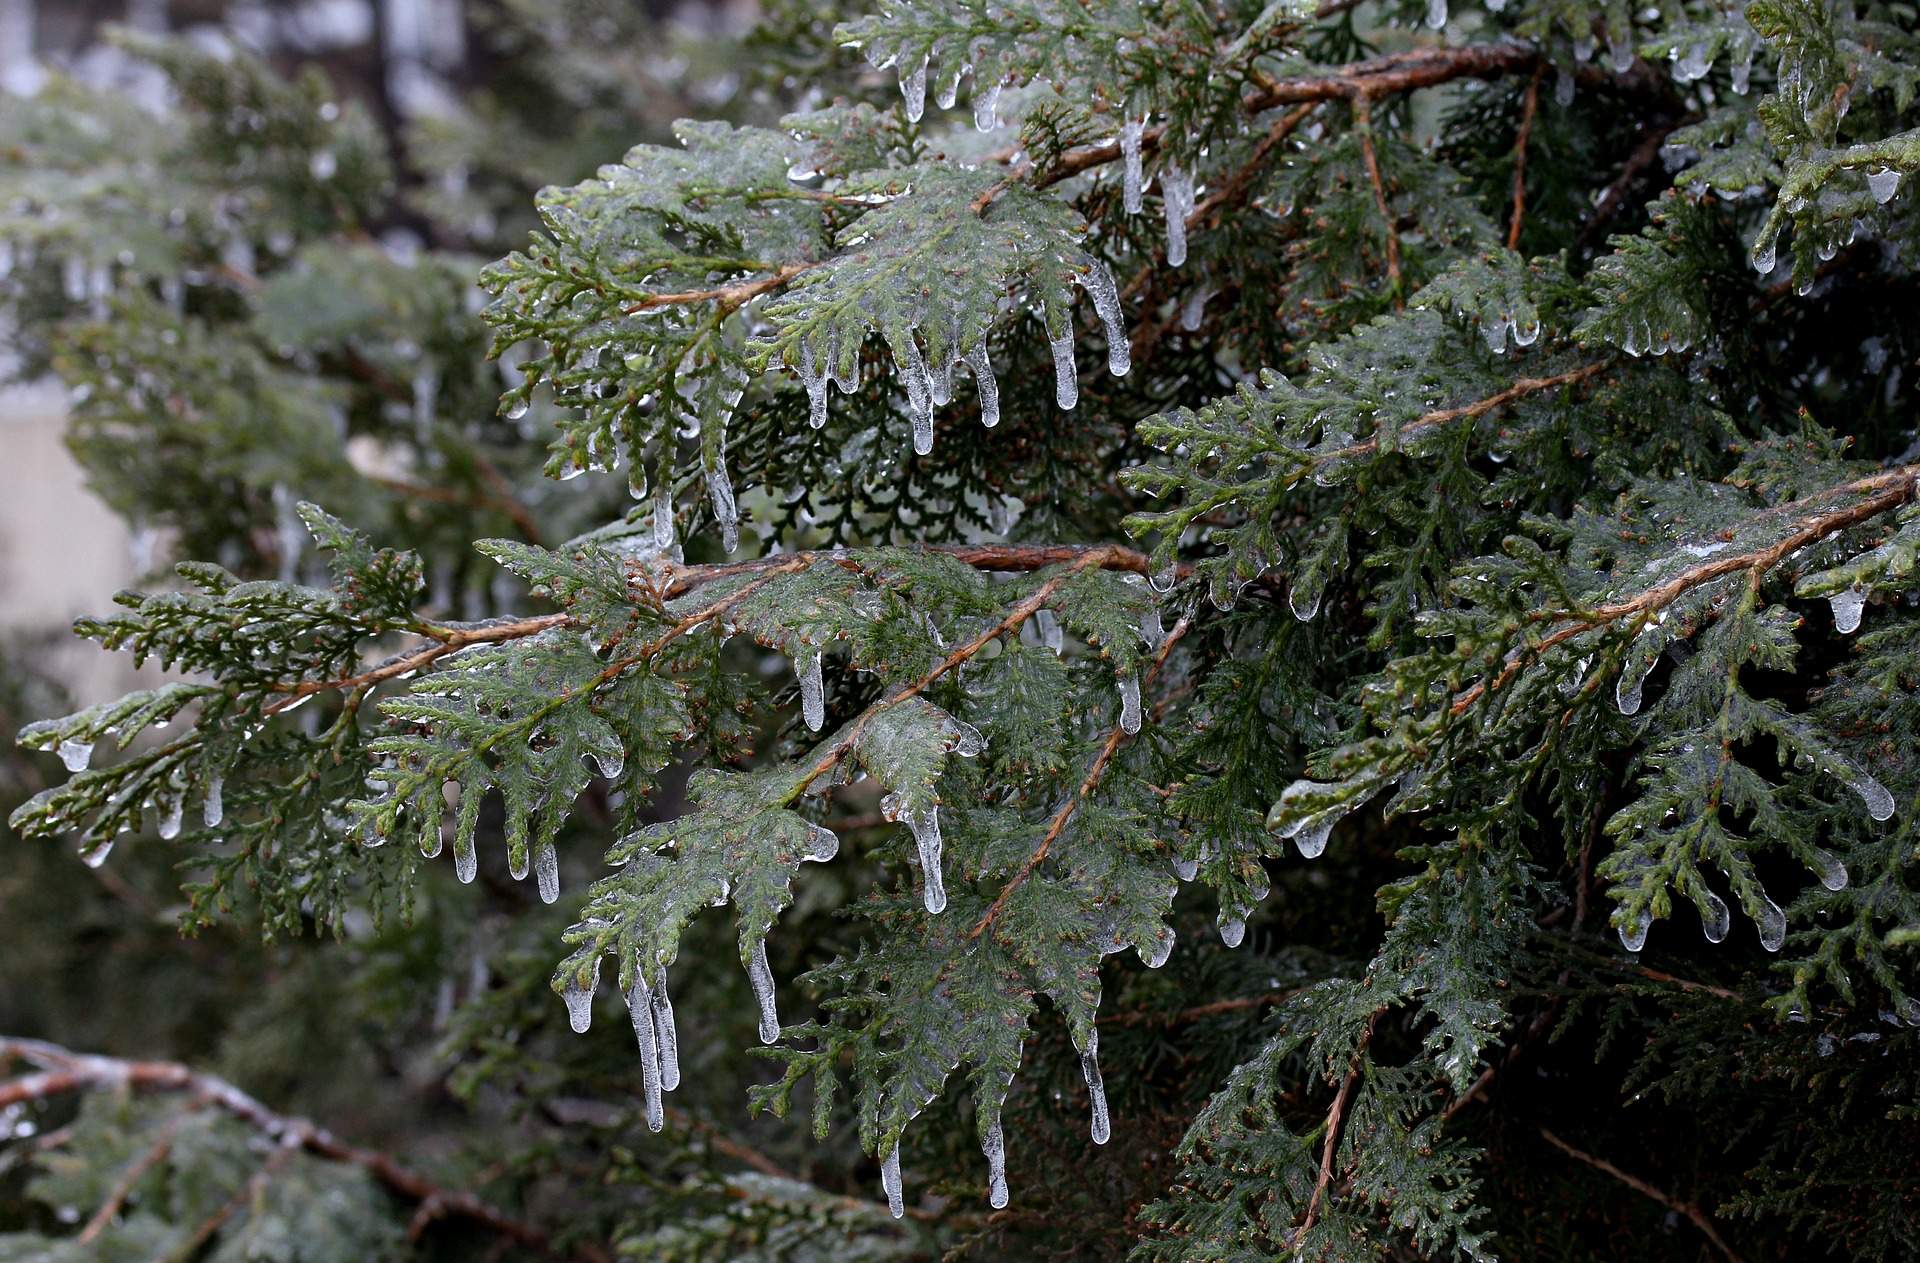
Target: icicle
[1764, 256]
[1772, 924]
[1185, 869]
[947, 93]
[890, 1181]
[1715, 920]
[1176, 199]
[1233, 931]
[1436, 13]
[913, 89]
[1742, 71]
[994, 1145]
[1046, 624]
[919, 386]
[214, 809]
[1194, 309]
[666, 1036]
[1096, 1088]
[640, 1010]
[762, 979]
[1132, 180]
[1304, 596]
[290, 533]
[98, 855]
[986, 103]
[1633, 935]
[465, 863]
[1620, 52]
[1847, 607]
[1832, 873]
[579, 1000]
[815, 380]
[546, 871]
[1129, 704]
[1883, 183]
[725, 510]
[1563, 89]
[1066, 381]
[1152, 630]
[76, 754]
[663, 516]
[519, 863]
[1879, 802]
[984, 383]
[1641, 656]
[1694, 65]
[926, 836]
[1311, 838]
[813, 694]
[170, 818]
[1098, 281]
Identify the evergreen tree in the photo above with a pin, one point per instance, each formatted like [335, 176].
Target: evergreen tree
[1375, 719]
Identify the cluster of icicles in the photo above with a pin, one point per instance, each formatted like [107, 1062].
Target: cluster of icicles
[170, 804]
[1771, 922]
[930, 386]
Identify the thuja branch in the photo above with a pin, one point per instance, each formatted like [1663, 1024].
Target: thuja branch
[65, 1072]
[1880, 493]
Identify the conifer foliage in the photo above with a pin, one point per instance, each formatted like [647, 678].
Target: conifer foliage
[1389, 676]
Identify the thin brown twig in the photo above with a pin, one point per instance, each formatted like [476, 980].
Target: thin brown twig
[729, 297]
[1199, 1012]
[1693, 1213]
[250, 1191]
[1473, 411]
[129, 1179]
[1363, 127]
[1528, 108]
[1888, 489]
[1335, 1115]
[1088, 784]
[70, 1071]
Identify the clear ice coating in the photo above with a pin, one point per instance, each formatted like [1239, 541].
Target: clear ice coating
[1883, 184]
[986, 103]
[1436, 13]
[1098, 281]
[814, 378]
[1847, 607]
[1176, 198]
[994, 1145]
[579, 1001]
[926, 837]
[666, 1036]
[813, 692]
[1132, 177]
[1715, 920]
[663, 516]
[546, 871]
[76, 754]
[1066, 380]
[1772, 924]
[890, 1181]
[1878, 801]
[1129, 704]
[726, 511]
[1096, 1089]
[984, 383]
[214, 809]
[640, 1011]
[1633, 934]
[1832, 873]
[762, 979]
[913, 89]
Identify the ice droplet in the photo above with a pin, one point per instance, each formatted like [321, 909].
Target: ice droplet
[1096, 1089]
[1741, 69]
[994, 1145]
[1883, 184]
[1764, 256]
[1233, 931]
[986, 102]
[762, 979]
[1715, 920]
[1129, 704]
[663, 531]
[546, 871]
[666, 1036]
[1879, 802]
[814, 378]
[948, 92]
[579, 1000]
[98, 855]
[1066, 380]
[1641, 656]
[984, 383]
[1176, 199]
[465, 863]
[1162, 948]
[1633, 934]
[1098, 282]
[1304, 596]
[1833, 873]
[890, 1182]
[76, 754]
[813, 693]
[726, 511]
[1132, 177]
[170, 817]
[822, 843]
[640, 1011]
[926, 837]
[1436, 13]
[1194, 309]
[1046, 624]
[1847, 607]
[1311, 838]
[1619, 53]
[1693, 65]
[913, 90]
[214, 809]
[1186, 869]
[1772, 924]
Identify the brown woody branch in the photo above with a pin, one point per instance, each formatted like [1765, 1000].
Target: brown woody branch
[729, 297]
[1363, 127]
[1693, 1213]
[66, 1071]
[1469, 411]
[1530, 105]
[1336, 1115]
